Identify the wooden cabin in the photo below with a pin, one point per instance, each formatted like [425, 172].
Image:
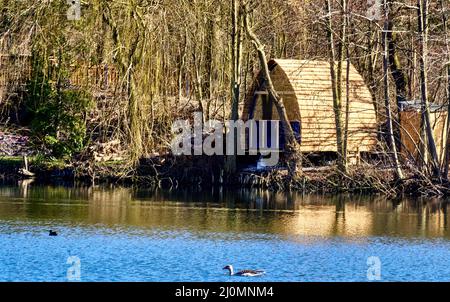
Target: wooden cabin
[305, 86]
[410, 129]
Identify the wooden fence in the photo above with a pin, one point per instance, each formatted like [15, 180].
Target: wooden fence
[16, 70]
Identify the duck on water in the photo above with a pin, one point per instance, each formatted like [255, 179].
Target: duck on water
[244, 273]
[52, 233]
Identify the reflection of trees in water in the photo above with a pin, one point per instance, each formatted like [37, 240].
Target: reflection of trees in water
[238, 210]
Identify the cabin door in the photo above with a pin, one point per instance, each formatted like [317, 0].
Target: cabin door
[262, 108]
[267, 107]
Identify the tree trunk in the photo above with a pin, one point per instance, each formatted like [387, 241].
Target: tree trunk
[423, 40]
[372, 59]
[387, 101]
[181, 67]
[347, 105]
[336, 82]
[398, 74]
[236, 62]
[127, 61]
[347, 77]
[400, 77]
[447, 48]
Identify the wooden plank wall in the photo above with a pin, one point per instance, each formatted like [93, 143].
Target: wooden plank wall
[410, 122]
[15, 71]
[98, 77]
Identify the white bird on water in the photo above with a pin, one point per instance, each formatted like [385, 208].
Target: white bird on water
[244, 273]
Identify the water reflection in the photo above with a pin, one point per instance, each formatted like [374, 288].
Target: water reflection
[220, 210]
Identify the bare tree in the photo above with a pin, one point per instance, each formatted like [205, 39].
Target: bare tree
[395, 65]
[423, 41]
[387, 101]
[336, 82]
[447, 49]
[292, 148]
[236, 67]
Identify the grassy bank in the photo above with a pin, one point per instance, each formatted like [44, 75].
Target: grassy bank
[43, 168]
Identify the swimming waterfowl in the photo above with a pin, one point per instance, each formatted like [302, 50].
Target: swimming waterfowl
[244, 273]
[52, 233]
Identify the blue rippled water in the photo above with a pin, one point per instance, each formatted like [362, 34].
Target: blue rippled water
[136, 237]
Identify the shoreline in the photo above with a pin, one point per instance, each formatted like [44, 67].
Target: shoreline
[176, 174]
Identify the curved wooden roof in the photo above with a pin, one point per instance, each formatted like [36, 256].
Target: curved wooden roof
[305, 86]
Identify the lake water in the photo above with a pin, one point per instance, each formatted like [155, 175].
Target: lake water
[122, 234]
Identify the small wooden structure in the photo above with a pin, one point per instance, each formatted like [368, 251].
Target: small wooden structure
[306, 89]
[16, 70]
[95, 78]
[411, 127]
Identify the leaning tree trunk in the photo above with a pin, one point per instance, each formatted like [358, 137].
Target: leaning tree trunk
[292, 148]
